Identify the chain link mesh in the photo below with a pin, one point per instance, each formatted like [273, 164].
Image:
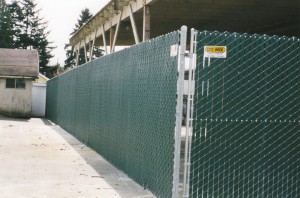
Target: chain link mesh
[246, 140]
[124, 106]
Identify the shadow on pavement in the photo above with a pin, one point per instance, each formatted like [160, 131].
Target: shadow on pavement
[6, 118]
[105, 170]
[47, 122]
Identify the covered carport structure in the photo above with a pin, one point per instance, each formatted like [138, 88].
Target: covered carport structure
[128, 22]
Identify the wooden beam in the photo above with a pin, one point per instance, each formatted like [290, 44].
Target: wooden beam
[104, 18]
[90, 45]
[111, 37]
[77, 54]
[104, 39]
[116, 33]
[93, 45]
[85, 52]
[134, 29]
[146, 23]
[121, 5]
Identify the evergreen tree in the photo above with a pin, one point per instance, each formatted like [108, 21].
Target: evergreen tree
[84, 16]
[17, 21]
[6, 28]
[30, 30]
[70, 60]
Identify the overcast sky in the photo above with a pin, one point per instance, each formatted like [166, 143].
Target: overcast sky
[62, 16]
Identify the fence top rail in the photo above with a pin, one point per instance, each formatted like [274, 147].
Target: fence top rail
[294, 38]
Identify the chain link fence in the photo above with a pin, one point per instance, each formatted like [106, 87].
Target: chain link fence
[246, 129]
[123, 105]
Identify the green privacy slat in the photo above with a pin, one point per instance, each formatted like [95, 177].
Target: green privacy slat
[246, 129]
[124, 105]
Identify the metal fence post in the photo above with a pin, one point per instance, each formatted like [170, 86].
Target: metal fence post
[180, 87]
[189, 118]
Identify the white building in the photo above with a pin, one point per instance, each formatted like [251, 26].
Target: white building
[18, 68]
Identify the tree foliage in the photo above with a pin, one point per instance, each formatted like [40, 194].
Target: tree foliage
[32, 33]
[51, 71]
[70, 61]
[29, 30]
[6, 26]
[84, 16]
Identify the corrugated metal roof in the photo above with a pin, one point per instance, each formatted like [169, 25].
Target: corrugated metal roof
[19, 62]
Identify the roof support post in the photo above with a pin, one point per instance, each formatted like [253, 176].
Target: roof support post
[77, 53]
[104, 39]
[111, 37]
[146, 23]
[134, 29]
[77, 57]
[85, 52]
[93, 44]
[116, 32]
[73, 52]
[89, 50]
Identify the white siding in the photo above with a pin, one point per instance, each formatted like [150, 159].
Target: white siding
[15, 102]
[38, 99]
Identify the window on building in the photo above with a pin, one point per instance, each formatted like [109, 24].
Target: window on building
[18, 83]
[10, 83]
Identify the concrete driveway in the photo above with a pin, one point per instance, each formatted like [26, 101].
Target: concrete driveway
[39, 159]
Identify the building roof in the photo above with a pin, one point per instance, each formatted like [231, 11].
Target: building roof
[41, 79]
[262, 17]
[19, 62]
